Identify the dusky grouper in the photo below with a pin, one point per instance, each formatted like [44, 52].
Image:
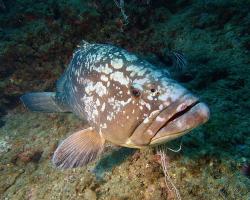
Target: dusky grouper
[125, 100]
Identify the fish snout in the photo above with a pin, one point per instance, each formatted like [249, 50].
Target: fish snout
[180, 118]
[173, 121]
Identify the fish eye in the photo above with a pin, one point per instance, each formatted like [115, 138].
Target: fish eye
[136, 89]
[152, 90]
[135, 92]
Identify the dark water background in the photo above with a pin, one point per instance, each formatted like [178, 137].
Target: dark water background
[37, 39]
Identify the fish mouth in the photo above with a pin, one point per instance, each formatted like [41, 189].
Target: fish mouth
[171, 122]
[182, 118]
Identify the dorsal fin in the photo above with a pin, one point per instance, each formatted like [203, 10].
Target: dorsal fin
[83, 44]
[82, 47]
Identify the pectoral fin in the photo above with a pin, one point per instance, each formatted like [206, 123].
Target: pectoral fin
[78, 149]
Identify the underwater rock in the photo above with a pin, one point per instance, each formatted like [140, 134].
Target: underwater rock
[5, 146]
[28, 156]
[89, 194]
[152, 193]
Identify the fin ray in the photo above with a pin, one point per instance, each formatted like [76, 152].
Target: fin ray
[78, 149]
[179, 60]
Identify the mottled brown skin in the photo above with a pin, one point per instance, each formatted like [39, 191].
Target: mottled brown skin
[125, 100]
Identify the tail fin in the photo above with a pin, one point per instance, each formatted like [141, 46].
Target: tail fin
[42, 102]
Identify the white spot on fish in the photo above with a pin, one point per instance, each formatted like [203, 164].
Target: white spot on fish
[95, 113]
[124, 103]
[117, 63]
[164, 96]
[119, 77]
[173, 91]
[104, 78]
[160, 119]
[146, 120]
[150, 98]
[161, 107]
[129, 57]
[148, 106]
[103, 69]
[98, 88]
[166, 103]
[179, 124]
[110, 116]
[181, 107]
[89, 107]
[98, 102]
[104, 125]
[132, 74]
[137, 86]
[132, 68]
[142, 72]
[141, 81]
[103, 107]
[154, 113]
[150, 132]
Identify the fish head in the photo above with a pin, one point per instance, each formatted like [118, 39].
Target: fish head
[144, 106]
[169, 110]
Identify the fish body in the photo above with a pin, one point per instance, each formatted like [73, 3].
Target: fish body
[124, 99]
